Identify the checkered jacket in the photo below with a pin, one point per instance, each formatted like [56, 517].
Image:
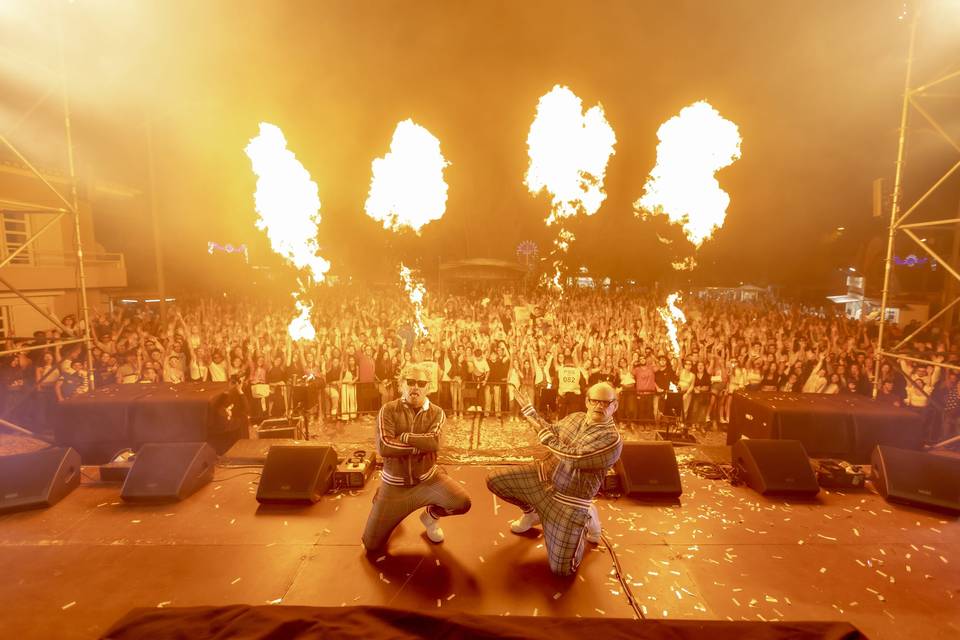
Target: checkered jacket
[580, 454]
[408, 440]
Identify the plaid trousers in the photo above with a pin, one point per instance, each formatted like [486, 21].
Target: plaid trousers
[564, 526]
[441, 495]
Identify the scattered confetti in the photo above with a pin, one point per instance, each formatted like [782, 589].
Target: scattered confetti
[161, 605]
[236, 580]
[68, 605]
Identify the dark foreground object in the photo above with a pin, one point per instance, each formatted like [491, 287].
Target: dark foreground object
[371, 623]
[127, 416]
[847, 427]
[39, 479]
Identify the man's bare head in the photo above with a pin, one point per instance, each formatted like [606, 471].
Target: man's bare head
[601, 402]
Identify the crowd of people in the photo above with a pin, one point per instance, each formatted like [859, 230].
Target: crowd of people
[480, 349]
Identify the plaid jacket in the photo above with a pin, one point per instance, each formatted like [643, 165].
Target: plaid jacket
[408, 440]
[580, 454]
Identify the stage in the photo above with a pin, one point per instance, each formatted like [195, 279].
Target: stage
[723, 553]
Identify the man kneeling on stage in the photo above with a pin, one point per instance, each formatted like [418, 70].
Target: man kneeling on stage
[558, 490]
[408, 437]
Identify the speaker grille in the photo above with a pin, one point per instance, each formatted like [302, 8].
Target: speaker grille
[169, 471]
[297, 473]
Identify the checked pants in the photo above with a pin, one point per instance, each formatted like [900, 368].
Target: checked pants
[441, 495]
[564, 526]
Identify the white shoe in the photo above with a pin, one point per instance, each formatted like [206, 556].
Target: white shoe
[593, 526]
[525, 522]
[432, 525]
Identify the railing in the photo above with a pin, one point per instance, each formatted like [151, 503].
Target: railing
[65, 259]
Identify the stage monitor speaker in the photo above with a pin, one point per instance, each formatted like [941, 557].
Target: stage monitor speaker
[915, 477]
[297, 474]
[169, 471]
[38, 479]
[649, 469]
[775, 467]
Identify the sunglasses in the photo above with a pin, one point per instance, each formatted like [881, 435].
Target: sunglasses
[596, 402]
[416, 383]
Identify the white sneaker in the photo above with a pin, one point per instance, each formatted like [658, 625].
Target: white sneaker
[525, 522]
[432, 525]
[593, 526]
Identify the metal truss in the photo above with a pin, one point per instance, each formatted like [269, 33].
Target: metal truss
[68, 207]
[898, 220]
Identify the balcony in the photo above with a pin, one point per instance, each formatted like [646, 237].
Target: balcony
[41, 270]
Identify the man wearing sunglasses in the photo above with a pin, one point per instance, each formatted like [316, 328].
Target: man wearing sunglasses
[408, 437]
[557, 491]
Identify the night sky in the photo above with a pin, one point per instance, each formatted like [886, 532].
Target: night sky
[814, 86]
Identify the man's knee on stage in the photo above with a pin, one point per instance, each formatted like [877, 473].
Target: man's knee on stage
[456, 509]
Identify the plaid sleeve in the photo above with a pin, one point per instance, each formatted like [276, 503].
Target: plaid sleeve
[599, 451]
[429, 440]
[389, 444]
[534, 418]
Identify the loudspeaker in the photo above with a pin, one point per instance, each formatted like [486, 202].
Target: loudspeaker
[775, 467]
[38, 479]
[169, 471]
[297, 473]
[914, 477]
[649, 469]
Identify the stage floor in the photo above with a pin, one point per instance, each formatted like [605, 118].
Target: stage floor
[723, 553]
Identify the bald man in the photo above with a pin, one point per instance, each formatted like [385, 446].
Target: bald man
[408, 438]
[557, 491]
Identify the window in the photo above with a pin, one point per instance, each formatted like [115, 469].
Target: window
[5, 329]
[16, 231]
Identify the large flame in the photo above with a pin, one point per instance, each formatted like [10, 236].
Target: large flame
[569, 151]
[287, 201]
[288, 205]
[672, 315]
[693, 146]
[416, 292]
[407, 188]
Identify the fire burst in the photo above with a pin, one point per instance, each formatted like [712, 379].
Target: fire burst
[569, 151]
[416, 291]
[671, 315]
[288, 206]
[693, 146]
[407, 188]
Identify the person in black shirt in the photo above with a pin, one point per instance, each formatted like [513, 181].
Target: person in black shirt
[496, 383]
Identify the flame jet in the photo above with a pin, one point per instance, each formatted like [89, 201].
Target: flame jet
[287, 202]
[694, 145]
[569, 151]
[407, 190]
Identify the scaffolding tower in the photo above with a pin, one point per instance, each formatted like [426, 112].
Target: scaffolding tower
[68, 205]
[912, 102]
